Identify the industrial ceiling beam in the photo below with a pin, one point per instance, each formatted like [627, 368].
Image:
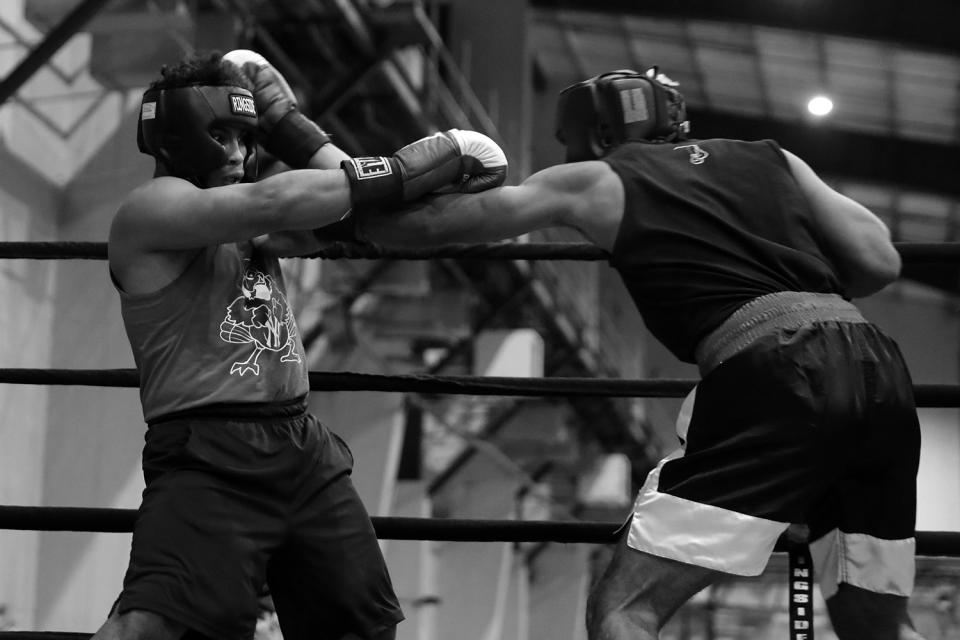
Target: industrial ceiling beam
[921, 24]
[56, 38]
[911, 164]
[906, 164]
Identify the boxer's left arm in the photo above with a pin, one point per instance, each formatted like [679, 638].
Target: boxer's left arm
[288, 244]
[295, 140]
[586, 196]
[283, 129]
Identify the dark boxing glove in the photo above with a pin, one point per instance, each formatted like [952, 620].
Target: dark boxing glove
[284, 131]
[446, 162]
[345, 229]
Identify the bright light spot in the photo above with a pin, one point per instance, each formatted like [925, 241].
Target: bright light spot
[820, 105]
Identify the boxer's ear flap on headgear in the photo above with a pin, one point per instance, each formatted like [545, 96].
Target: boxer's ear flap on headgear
[578, 125]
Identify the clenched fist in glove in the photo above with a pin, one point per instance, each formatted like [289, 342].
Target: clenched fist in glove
[284, 130]
[446, 162]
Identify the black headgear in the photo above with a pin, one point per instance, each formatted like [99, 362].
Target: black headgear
[616, 107]
[175, 125]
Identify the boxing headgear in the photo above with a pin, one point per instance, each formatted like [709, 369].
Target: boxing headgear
[175, 127]
[617, 107]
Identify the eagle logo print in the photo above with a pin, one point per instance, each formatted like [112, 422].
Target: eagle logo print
[261, 317]
[697, 154]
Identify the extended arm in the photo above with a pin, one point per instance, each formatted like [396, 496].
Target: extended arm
[169, 214]
[586, 196]
[857, 241]
[305, 241]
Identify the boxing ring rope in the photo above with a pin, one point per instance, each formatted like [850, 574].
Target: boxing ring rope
[107, 520]
[926, 395]
[43, 635]
[341, 250]
[912, 252]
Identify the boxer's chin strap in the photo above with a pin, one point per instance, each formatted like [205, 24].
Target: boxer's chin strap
[801, 592]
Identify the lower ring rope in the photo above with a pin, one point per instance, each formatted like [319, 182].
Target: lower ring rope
[110, 520]
[43, 635]
[926, 395]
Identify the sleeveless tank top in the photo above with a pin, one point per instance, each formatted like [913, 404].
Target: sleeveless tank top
[709, 225]
[221, 333]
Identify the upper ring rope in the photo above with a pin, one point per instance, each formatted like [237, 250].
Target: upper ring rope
[926, 395]
[912, 252]
[44, 635]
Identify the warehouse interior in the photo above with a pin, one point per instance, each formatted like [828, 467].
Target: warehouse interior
[378, 74]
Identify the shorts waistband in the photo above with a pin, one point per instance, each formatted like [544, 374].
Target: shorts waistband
[766, 314]
[240, 411]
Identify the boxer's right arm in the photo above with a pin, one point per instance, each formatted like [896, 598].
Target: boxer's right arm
[586, 196]
[857, 242]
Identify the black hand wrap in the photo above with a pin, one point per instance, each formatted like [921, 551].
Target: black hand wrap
[283, 130]
[343, 230]
[446, 162]
[414, 170]
[295, 138]
[375, 180]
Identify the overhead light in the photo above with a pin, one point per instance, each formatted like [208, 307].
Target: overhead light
[820, 105]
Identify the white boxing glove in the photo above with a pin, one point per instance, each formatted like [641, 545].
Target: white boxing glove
[447, 162]
[483, 162]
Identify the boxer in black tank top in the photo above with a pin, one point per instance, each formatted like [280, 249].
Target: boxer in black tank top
[740, 259]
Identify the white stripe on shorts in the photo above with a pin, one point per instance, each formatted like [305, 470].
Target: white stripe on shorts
[874, 564]
[700, 534]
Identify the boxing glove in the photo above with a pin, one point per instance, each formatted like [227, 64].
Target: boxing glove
[343, 230]
[446, 162]
[283, 130]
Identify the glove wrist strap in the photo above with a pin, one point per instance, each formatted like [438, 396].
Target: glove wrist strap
[295, 138]
[374, 180]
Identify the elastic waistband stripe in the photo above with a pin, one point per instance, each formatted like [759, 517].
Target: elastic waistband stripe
[242, 412]
[767, 314]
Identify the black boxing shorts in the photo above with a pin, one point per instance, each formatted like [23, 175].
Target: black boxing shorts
[250, 496]
[804, 414]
